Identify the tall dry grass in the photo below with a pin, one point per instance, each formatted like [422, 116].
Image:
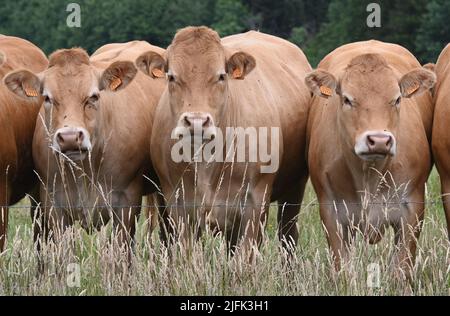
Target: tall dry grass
[208, 270]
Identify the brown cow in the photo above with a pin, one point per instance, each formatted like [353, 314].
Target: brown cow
[368, 139]
[246, 80]
[17, 119]
[441, 137]
[92, 134]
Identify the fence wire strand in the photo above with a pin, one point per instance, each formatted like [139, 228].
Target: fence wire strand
[199, 205]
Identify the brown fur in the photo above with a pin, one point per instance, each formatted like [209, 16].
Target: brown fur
[441, 135]
[271, 94]
[430, 67]
[196, 39]
[17, 119]
[2, 58]
[64, 57]
[119, 125]
[367, 63]
[374, 74]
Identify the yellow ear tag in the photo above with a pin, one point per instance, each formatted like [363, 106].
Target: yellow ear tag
[413, 88]
[237, 73]
[30, 92]
[326, 91]
[157, 73]
[115, 83]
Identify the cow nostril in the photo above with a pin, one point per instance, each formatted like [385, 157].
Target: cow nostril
[207, 121]
[370, 141]
[186, 121]
[80, 136]
[389, 141]
[59, 138]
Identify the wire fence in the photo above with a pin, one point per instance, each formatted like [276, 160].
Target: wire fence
[239, 205]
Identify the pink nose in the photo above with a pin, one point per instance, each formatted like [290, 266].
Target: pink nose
[197, 119]
[70, 140]
[379, 143]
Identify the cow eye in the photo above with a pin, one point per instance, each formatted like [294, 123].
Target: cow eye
[171, 78]
[398, 101]
[347, 102]
[47, 99]
[94, 98]
[222, 77]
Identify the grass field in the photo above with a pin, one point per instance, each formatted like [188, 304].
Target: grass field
[207, 271]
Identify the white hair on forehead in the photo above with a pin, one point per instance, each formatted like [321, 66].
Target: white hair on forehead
[46, 92]
[94, 89]
[348, 96]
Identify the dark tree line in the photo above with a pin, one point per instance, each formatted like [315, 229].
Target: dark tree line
[316, 26]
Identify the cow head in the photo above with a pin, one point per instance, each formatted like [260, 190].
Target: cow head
[369, 94]
[70, 88]
[198, 69]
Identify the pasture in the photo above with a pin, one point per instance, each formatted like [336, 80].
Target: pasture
[208, 271]
[354, 117]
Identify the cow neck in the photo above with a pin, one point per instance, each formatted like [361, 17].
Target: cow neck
[366, 175]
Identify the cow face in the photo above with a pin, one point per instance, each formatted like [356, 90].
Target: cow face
[198, 70]
[70, 89]
[369, 96]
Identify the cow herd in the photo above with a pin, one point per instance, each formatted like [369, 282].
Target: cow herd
[86, 137]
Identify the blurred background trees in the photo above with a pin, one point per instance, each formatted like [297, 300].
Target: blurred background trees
[317, 26]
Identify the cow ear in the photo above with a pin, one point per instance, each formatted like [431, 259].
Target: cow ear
[416, 82]
[117, 76]
[240, 65]
[23, 83]
[321, 83]
[152, 64]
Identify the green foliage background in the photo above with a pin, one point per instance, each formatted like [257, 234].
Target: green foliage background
[316, 26]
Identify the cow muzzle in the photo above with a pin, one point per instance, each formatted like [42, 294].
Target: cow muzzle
[375, 145]
[73, 142]
[197, 125]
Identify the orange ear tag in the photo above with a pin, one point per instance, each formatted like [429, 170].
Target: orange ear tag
[30, 92]
[326, 91]
[157, 73]
[413, 88]
[115, 83]
[237, 73]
